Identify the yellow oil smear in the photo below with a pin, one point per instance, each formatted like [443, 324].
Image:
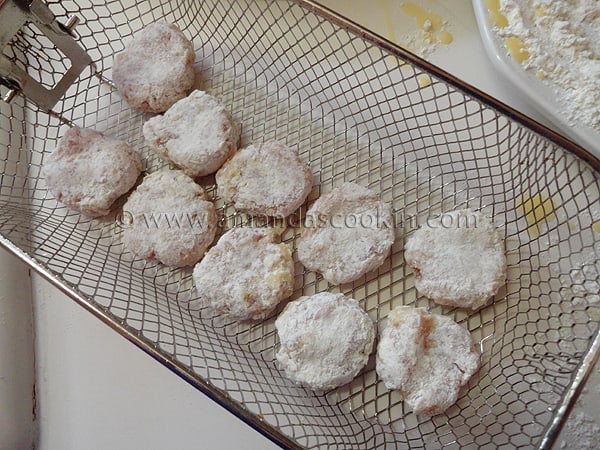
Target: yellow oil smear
[572, 226]
[389, 25]
[540, 74]
[430, 23]
[537, 210]
[516, 48]
[540, 11]
[596, 226]
[424, 81]
[422, 16]
[389, 31]
[496, 18]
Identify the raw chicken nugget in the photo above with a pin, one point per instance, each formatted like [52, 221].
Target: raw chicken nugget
[156, 68]
[245, 275]
[458, 259]
[265, 179]
[169, 219]
[428, 357]
[197, 134]
[88, 170]
[347, 233]
[326, 339]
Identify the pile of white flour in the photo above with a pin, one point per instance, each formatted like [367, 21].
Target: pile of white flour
[563, 41]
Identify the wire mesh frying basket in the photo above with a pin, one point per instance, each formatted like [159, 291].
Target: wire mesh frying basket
[358, 109]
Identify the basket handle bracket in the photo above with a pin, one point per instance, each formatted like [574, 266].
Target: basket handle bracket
[14, 14]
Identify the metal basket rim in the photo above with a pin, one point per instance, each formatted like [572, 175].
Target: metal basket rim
[219, 396]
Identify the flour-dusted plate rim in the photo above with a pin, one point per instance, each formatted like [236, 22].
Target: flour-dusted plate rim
[534, 90]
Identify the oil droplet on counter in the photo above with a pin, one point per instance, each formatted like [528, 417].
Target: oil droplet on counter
[596, 226]
[430, 23]
[445, 37]
[516, 48]
[537, 210]
[496, 18]
[424, 81]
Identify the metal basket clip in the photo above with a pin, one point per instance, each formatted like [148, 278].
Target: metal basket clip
[14, 14]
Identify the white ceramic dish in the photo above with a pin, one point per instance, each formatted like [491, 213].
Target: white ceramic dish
[534, 90]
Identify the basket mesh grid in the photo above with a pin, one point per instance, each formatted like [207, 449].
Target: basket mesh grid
[356, 113]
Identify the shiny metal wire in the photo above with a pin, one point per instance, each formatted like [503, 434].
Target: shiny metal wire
[358, 109]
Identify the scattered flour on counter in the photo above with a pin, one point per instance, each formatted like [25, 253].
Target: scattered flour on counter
[562, 38]
[417, 42]
[582, 431]
[423, 30]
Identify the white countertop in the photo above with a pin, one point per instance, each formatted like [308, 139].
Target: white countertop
[95, 390]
